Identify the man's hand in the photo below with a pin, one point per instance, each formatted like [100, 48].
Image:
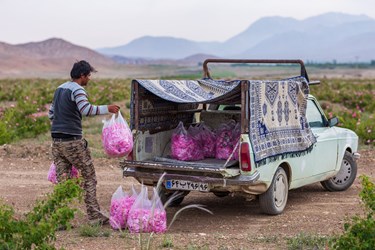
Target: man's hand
[113, 108]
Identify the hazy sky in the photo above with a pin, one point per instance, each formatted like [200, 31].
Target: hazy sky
[108, 23]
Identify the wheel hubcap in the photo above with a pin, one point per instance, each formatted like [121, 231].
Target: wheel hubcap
[280, 190]
[344, 174]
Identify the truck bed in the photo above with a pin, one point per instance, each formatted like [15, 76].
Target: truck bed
[211, 171]
[208, 165]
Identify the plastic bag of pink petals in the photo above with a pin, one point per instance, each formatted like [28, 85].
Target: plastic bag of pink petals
[184, 146]
[121, 204]
[52, 176]
[205, 138]
[116, 137]
[158, 222]
[140, 214]
[146, 215]
[224, 141]
[208, 140]
[195, 133]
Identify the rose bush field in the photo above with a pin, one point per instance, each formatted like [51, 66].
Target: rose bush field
[24, 104]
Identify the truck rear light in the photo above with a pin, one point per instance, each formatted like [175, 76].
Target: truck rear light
[245, 157]
[130, 156]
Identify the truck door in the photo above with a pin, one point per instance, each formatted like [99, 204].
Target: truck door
[324, 154]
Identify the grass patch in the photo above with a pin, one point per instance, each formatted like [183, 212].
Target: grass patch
[308, 241]
[93, 231]
[196, 247]
[267, 239]
[167, 241]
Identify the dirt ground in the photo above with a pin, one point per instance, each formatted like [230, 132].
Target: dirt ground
[235, 224]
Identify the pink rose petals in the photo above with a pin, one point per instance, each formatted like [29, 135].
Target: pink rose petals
[208, 140]
[117, 141]
[116, 137]
[147, 221]
[199, 142]
[147, 216]
[185, 147]
[52, 174]
[121, 203]
[224, 142]
[119, 211]
[52, 177]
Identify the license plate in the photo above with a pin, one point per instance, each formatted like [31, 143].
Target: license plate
[186, 185]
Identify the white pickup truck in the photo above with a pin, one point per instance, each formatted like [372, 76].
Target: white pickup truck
[286, 140]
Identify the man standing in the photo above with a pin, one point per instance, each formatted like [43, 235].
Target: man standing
[69, 148]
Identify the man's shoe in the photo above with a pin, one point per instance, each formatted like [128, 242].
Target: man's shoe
[99, 222]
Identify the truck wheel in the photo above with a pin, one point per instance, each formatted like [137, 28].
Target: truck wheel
[273, 201]
[177, 198]
[345, 177]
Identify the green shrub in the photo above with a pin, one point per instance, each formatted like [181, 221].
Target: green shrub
[15, 125]
[359, 233]
[37, 229]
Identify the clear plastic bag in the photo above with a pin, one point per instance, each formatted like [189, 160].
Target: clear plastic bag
[224, 141]
[116, 136]
[184, 146]
[208, 140]
[158, 214]
[121, 204]
[140, 213]
[146, 215]
[52, 176]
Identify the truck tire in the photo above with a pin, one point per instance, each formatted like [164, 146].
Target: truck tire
[177, 199]
[274, 200]
[345, 177]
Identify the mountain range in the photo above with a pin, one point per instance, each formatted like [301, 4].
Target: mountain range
[323, 38]
[327, 37]
[51, 57]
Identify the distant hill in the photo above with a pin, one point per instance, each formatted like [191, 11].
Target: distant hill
[196, 59]
[190, 60]
[49, 57]
[321, 38]
[149, 47]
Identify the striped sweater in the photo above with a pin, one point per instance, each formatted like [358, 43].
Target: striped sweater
[69, 104]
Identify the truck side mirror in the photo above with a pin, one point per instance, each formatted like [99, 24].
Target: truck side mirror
[333, 121]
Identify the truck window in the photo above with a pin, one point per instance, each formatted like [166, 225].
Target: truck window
[314, 117]
[230, 107]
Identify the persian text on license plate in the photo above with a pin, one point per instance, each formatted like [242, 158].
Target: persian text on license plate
[186, 185]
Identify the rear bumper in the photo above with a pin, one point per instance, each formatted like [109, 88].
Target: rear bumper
[149, 178]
